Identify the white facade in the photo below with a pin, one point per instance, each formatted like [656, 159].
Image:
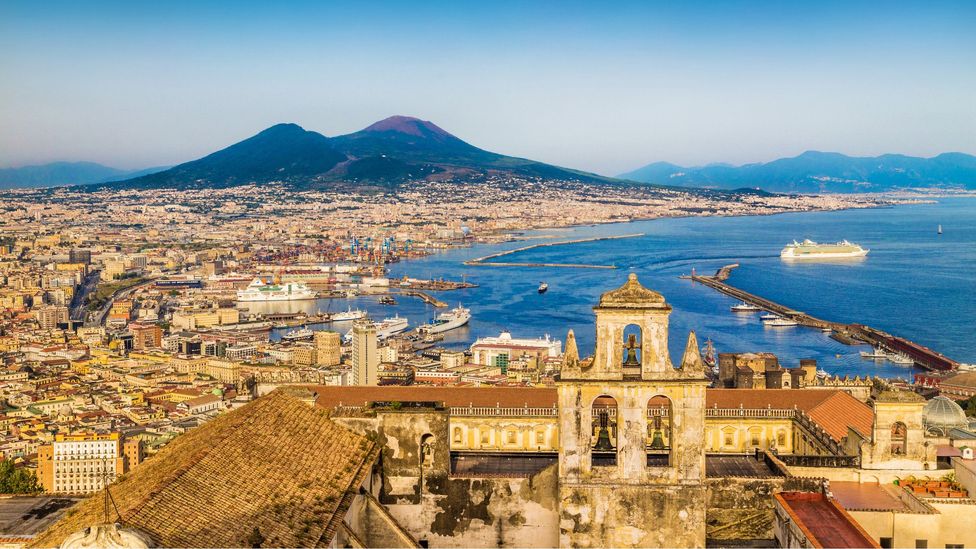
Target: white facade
[81, 467]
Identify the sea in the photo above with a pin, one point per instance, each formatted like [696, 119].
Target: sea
[913, 283]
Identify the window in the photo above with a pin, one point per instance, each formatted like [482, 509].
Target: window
[955, 546]
[511, 437]
[885, 543]
[898, 435]
[457, 434]
[921, 544]
[485, 436]
[540, 437]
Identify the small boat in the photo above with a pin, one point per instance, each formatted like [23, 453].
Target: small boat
[543, 288]
[298, 335]
[388, 300]
[768, 316]
[877, 353]
[940, 229]
[745, 308]
[780, 322]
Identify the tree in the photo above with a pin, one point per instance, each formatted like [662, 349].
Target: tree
[14, 480]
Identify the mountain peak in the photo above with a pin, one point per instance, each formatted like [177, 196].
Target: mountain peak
[408, 125]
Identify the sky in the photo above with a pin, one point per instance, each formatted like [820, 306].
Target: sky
[601, 86]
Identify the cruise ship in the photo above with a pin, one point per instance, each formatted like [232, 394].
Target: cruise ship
[445, 322]
[258, 291]
[809, 249]
[350, 314]
[298, 335]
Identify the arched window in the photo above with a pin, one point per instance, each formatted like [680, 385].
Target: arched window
[427, 450]
[603, 433]
[781, 440]
[658, 445]
[631, 349]
[899, 432]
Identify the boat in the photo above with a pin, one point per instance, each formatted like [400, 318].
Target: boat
[877, 353]
[543, 288]
[745, 308]
[259, 291]
[768, 316]
[388, 327]
[455, 318]
[940, 229]
[388, 300]
[809, 249]
[779, 322]
[298, 335]
[899, 358]
[351, 314]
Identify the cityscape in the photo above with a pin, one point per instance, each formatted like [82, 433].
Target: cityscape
[252, 334]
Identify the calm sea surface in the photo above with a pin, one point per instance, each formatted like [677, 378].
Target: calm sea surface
[914, 283]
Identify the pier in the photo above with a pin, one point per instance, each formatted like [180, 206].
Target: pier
[427, 298]
[850, 334]
[484, 261]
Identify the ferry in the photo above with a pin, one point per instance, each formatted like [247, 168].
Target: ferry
[258, 291]
[351, 314]
[445, 322]
[768, 316]
[899, 358]
[543, 288]
[877, 353]
[809, 249]
[388, 327]
[298, 335]
[745, 308]
[780, 322]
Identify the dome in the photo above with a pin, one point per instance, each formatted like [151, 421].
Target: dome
[633, 295]
[943, 414]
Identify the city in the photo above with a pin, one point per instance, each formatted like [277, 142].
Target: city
[382, 335]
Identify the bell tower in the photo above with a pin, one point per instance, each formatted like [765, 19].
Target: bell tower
[631, 428]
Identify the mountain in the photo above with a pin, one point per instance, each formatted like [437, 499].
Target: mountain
[816, 172]
[63, 173]
[387, 153]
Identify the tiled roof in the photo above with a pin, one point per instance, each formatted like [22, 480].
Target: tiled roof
[825, 522]
[506, 397]
[835, 411]
[276, 464]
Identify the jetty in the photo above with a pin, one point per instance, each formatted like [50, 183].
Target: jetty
[850, 334]
[486, 261]
[427, 298]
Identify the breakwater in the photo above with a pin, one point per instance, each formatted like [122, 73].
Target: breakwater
[486, 261]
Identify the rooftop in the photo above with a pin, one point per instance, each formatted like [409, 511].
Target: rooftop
[633, 295]
[824, 521]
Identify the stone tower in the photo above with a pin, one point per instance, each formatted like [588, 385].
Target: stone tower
[631, 427]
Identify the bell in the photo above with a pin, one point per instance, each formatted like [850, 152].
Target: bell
[657, 443]
[632, 347]
[603, 437]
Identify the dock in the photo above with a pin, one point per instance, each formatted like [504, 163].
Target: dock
[485, 261]
[850, 334]
[427, 298]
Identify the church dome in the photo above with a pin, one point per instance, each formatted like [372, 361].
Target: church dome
[942, 414]
[633, 295]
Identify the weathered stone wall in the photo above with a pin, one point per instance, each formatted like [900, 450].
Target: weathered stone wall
[596, 515]
[741, 509]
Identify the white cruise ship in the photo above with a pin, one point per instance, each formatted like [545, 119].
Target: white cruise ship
[448, 321]
[258, 291]
[351, 314]
[809, 249]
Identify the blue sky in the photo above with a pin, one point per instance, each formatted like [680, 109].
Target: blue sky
[600, 86]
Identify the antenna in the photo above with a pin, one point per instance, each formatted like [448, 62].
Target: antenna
[106, 479]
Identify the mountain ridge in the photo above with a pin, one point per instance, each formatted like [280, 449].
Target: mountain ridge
[821, 171]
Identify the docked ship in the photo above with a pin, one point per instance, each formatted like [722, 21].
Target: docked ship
[298, 335]
[780, 322]
[448, 321]
[258, 291]
[877, 353]
[745, 308]
[809, 249]
[350, 314]
[388, 327]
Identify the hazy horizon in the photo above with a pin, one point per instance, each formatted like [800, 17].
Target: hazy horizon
[596, 88]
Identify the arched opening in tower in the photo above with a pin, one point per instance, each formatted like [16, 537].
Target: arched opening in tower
[659, 415]
[603, 434]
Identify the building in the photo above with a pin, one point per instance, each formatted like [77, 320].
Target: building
[499, 351]
[145, 336]
[50, 316]
[806, 519]
[328, 348]
[365, 355]
[81, 463]
[79, 256]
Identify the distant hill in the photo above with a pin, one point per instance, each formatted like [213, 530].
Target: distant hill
[389, 152]
[816, 172]
[64, 173]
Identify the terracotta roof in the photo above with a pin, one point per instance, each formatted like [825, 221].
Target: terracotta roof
[824, 521]
[857, 496]
[506, 397]
[835, 411]
[276, 464]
